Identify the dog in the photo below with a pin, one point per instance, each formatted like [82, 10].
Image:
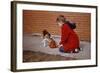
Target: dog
[47, 40]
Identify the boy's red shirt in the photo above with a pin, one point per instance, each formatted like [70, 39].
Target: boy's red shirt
[69, 39]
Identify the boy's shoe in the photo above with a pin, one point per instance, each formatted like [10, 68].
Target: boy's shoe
[76, 50]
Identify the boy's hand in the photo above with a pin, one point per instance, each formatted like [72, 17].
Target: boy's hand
[60, 46]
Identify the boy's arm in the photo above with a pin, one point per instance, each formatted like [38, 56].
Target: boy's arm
[64, 34]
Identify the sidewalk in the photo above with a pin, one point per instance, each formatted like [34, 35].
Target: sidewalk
[33, 43]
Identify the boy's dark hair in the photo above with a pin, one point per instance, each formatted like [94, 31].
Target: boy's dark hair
[71, 24]
[64, 20]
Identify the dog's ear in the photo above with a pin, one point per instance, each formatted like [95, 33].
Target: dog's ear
[44, 32]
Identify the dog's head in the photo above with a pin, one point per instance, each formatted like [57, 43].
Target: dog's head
[46, 34]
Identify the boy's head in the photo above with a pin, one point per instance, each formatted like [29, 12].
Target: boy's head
[61, 20]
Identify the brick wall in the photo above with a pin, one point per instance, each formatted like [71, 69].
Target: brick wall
[36, 21]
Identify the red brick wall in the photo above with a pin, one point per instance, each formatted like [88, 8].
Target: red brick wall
[36, 21]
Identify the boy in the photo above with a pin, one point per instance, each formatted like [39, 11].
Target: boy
[69, 39]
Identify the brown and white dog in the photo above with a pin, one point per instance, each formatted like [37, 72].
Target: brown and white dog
[47, 40]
